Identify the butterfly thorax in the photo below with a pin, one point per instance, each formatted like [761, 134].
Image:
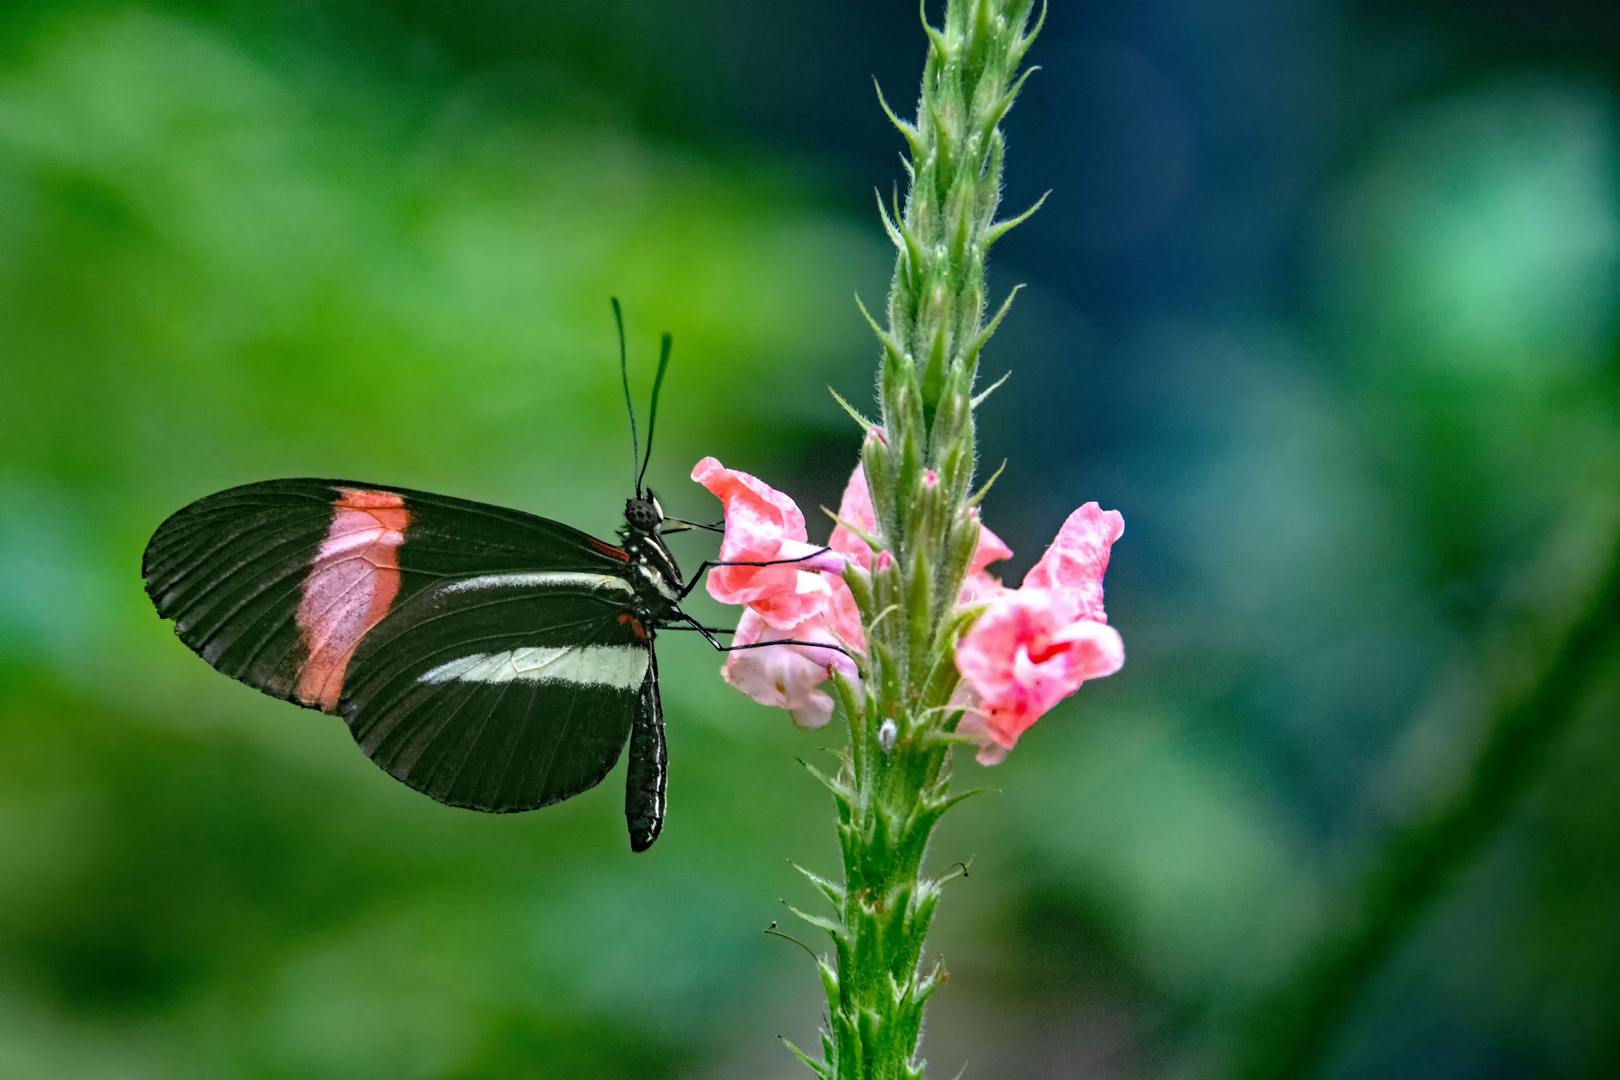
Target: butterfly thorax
[654, 573]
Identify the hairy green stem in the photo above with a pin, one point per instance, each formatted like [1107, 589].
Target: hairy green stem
[891, 788]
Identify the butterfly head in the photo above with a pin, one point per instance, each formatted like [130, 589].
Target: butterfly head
[654, 566]
[643, 515]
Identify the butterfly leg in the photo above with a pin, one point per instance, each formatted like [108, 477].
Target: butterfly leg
[709, 564]
[708, 633]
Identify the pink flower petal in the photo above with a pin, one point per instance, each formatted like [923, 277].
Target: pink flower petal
[755, 511]
[788, 676]
[855, 508]
[1073, 566]
[812, 557]
[1093, 650]
[764, 525]
[990, 549]
[972, 726]
[980, 587]
[1026, 653]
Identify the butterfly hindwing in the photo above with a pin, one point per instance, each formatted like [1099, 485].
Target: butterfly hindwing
[501, 692]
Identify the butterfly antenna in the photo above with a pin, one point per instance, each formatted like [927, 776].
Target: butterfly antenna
[624, 375]
[652, 418]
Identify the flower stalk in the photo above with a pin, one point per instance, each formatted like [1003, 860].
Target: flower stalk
[923, 647]
[918, 459]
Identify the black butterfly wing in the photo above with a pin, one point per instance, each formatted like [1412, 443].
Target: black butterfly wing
[230, 568]
[274, 583]
[499, 693]
[362, 601]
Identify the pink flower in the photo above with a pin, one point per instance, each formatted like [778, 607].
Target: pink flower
[805, 601]
[809, 602]
[764, 525]
[1035, 646]
[1025, 654]
[786, 676]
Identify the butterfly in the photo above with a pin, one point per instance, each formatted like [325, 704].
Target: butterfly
[487, 657]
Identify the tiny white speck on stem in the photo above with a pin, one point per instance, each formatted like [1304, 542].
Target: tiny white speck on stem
[887, 734]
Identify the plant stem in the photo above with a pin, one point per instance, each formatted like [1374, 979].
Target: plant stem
[891, 789]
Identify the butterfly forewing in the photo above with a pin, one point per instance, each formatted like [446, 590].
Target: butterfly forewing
[362, 600]
[228, 570]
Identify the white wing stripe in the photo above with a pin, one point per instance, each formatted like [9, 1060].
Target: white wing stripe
[620, 666]
[549, 577]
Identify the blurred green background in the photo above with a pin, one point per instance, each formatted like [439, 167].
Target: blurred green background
[1324, 302]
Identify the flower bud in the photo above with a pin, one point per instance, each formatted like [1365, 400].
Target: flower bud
[925, 514]
[878, 461]
[885, 583]
[919, 609]
[957, 466]
[860, 587]
[933, 380]
[947, 419]
[959, 548]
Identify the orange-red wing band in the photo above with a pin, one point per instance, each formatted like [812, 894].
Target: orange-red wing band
[352, 583]
[608, 549]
